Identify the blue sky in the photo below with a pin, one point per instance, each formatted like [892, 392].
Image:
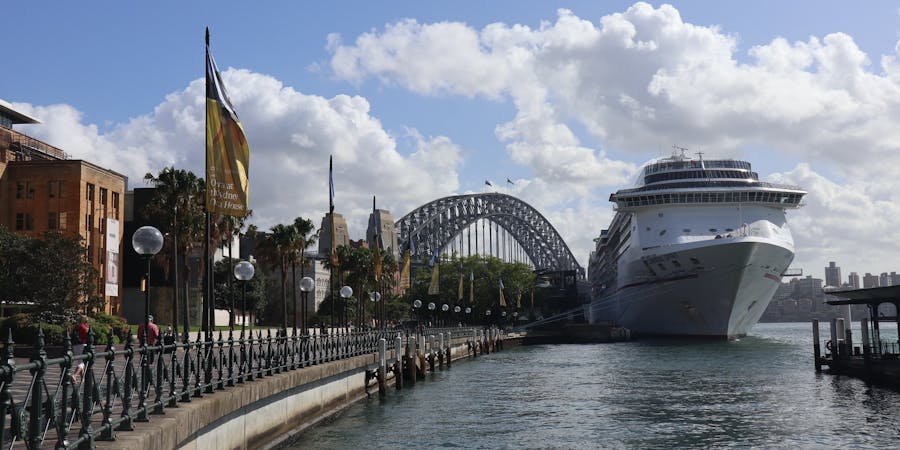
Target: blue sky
[440, 96]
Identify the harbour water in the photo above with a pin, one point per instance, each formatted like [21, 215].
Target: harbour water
[761, 392]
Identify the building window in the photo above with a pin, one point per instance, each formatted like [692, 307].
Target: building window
[103, 192]
[24, 190]
[62, 221]
[89, 192]
[56, 189]
[52, 220]
[115, 205]
[24, 221]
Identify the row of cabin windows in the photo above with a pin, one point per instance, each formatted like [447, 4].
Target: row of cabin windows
[780, 198]
[55, 221]
[701, 174]
[676, 165]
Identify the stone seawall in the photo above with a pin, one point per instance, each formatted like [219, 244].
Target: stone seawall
[265, 412]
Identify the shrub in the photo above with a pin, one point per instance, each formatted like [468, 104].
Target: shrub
[25, 328]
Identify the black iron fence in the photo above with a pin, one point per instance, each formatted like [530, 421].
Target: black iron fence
[46, 403]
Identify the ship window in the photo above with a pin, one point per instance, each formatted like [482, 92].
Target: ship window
[713, 230]
[729, 229]
[648, 228]
[676, 263]
[661, 266]
[662, 232]
[660, 214]
[686, 230]
[695, 261]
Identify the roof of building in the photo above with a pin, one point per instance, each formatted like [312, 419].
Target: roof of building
[866, 296]
[17, 116]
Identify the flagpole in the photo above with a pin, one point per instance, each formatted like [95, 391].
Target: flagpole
[207, 302]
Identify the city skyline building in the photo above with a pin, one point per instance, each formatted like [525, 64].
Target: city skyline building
[870, 281]
[833, 275]
[853, 280]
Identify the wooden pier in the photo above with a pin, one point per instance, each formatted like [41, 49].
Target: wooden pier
[871, 359]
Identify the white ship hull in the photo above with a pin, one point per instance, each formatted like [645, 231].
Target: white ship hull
[724, 296]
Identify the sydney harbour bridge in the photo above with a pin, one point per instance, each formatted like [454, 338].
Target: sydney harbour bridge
[493, 224]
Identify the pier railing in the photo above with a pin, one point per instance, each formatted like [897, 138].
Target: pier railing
[43, 404]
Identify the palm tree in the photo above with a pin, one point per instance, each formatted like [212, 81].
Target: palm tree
[304, 237]
[179, 202]
[275, 247]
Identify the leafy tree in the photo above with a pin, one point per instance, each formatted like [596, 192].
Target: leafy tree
[224, 291]
[70, 287]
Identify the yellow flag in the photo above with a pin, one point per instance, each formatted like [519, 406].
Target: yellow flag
[502, 298]
[227, 152]
[434, 288]
[404, 274]
[472, 287]
[459, 296]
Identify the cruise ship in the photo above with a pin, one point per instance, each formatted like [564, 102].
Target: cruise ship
[696, 248]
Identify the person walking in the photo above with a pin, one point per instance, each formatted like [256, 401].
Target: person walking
[152, 332]
[81, 335]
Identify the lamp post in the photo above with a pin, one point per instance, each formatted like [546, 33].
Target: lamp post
[431, 307]
[468, 311]
[306, 286]
[147, 241]
[456, 310]
[444, 309]
[487, 317]
[244, 272]
[375, 298]
[416, 305]
[346, 292]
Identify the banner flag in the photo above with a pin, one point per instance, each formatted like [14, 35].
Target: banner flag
[502, 298]
[459, 295]
[472, 287]
[434, 288]
[227, 152]
[405, 273]
[377, 251]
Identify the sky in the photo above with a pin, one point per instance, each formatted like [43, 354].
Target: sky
[421, 100]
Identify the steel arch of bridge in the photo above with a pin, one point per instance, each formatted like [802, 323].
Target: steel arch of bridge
[435, 224]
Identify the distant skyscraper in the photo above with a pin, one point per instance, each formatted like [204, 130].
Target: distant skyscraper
[895, 279]
[885, 280]
[832, 275]
[853, 280]
[870, 281]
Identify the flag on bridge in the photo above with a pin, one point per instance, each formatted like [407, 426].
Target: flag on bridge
[434, 288]
[472, 286]
[510, 181]
[404, 274]
[459, 295]
[488, 183]
[227, 152]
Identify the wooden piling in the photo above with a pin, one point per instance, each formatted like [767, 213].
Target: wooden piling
[449, 349]
[382, 363]
[398, 363]
[817, 351]
[411, 358]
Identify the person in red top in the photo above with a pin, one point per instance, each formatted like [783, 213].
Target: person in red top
[81, 334]
[152, 332]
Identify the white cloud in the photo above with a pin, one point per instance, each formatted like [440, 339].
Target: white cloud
[645, 79]
[291, 136]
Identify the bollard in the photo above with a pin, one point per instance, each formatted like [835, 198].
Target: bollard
[817, 352]
[839, 343]
[449, 349]
[398, 363]
[411, 360]
[440, 351]
[382, 363]
[833, 343]
[421, 357]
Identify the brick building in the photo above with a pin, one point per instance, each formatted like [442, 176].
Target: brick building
[41, 190]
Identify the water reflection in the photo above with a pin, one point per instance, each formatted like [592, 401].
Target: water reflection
[759, 392]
